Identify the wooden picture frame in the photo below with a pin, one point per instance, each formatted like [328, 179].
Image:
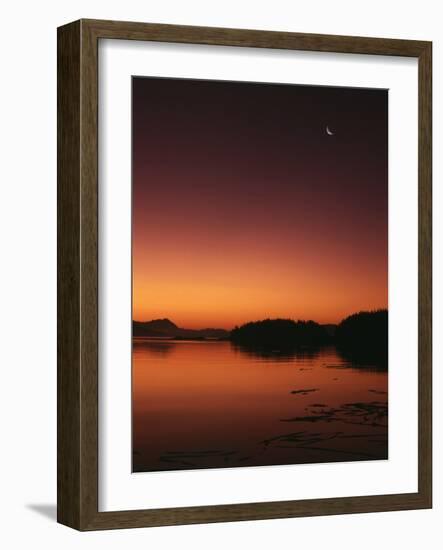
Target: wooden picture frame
[78, 274]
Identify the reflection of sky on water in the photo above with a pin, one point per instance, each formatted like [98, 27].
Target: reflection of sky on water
[210, 404]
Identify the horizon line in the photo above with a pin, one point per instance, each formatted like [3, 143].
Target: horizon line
[218, 327]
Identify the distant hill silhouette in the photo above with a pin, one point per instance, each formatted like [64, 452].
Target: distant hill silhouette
[164, 328]
[281, 334]
[363, 337]
[164, 325]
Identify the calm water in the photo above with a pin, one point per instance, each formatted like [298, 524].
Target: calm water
[211, 405]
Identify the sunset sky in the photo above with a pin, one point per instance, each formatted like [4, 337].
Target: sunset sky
[245, 208]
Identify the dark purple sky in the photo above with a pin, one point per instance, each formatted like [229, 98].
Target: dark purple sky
[245, 208]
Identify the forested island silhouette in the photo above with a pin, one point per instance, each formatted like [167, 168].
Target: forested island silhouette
[361, 338]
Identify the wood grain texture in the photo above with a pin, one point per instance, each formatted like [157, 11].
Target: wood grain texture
[425, 273]
[68, 275]
[78, 268]
[254, 38]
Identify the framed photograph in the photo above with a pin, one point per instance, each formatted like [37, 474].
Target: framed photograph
[244, 275]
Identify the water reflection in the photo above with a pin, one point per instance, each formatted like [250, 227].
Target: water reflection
[145, 345]
[348, 359]
[375, 359]
[275, 355]
[210, 404]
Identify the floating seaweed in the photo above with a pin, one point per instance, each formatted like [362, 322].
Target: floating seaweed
[193, 458]
[315, 418]
[374, 413]
[304, 391]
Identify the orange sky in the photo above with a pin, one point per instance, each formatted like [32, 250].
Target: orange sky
[244, 208]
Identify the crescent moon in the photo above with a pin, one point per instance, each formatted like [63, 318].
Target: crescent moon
[328, 131]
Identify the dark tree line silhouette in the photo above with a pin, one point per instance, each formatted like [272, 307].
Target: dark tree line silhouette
[362, 337]
[281, 333]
